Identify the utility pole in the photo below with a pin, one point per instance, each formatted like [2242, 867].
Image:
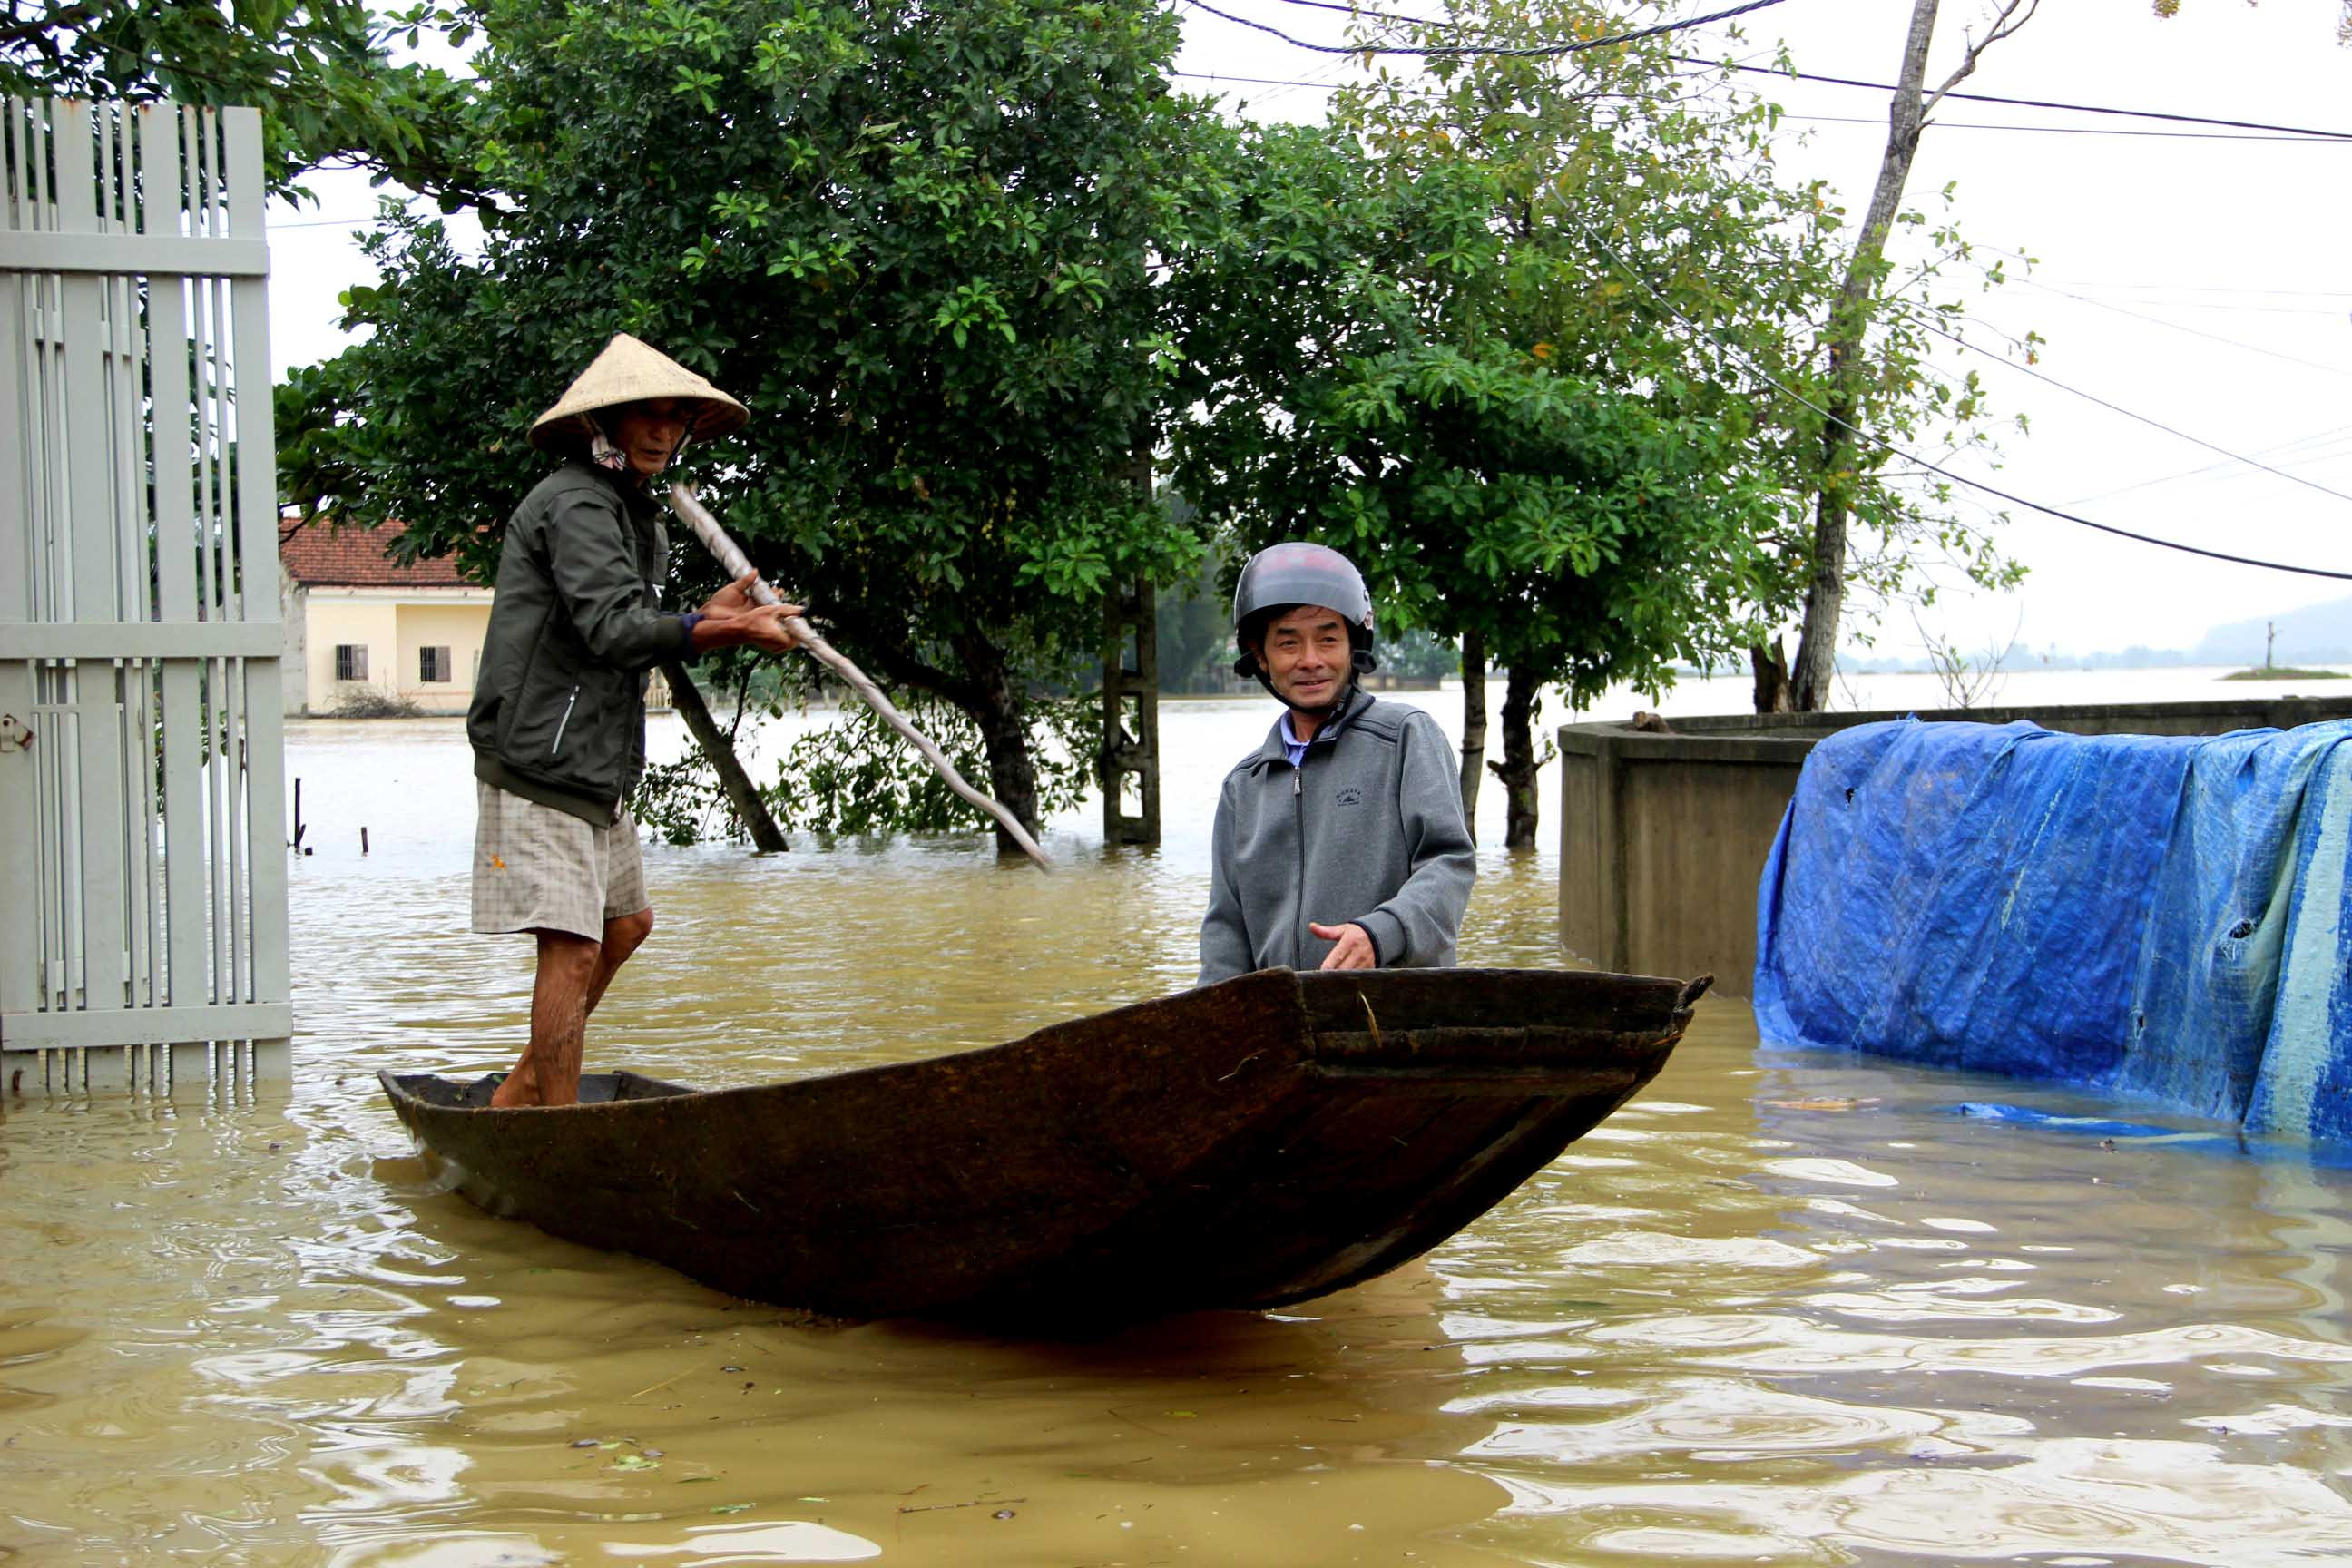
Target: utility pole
[2270, 641]
[1809, 677]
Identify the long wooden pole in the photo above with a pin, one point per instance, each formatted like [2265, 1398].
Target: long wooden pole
[731, 556]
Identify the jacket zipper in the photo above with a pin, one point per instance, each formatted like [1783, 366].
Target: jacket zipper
[1298, 824]
[557, 744]
[1298, 834]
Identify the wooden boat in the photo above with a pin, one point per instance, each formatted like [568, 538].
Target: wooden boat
[1247, 1144]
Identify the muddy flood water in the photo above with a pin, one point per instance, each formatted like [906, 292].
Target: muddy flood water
[1785, 1308]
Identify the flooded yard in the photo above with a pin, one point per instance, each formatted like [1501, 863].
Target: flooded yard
[1785, 1307]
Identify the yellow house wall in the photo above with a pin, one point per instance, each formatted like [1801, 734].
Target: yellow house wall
[394, 625]
[458, 627]
[332, 620]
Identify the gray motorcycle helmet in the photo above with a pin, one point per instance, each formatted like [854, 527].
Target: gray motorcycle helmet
[1284, 575]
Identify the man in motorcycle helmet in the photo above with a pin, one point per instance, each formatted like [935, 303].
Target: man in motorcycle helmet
[1340, 843]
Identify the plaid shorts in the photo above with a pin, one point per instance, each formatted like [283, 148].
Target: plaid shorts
[536, 867]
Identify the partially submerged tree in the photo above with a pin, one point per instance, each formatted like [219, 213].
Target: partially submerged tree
[914, 237]
[1470, 336]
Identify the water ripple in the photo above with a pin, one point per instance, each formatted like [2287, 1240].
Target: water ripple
[1782, 1308]
[1781, 1343]
[2137, 1500]
[1658, 1249]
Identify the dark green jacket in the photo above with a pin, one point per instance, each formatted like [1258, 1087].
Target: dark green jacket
[559, 709]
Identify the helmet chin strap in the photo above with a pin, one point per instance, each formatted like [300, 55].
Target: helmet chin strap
[1321, 713]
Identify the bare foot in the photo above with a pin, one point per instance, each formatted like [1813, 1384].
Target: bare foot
[519, 1088]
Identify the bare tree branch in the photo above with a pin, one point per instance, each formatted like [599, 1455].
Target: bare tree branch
[68, 17]
[2003, 25]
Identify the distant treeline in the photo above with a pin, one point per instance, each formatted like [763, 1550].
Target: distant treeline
[1196, 642]
[2133, 657]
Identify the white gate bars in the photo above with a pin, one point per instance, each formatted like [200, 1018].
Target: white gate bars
[143, 869]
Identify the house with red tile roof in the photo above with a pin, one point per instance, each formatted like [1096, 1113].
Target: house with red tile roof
[360, 625]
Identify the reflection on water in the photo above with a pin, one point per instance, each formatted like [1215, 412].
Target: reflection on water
[1782, 1308]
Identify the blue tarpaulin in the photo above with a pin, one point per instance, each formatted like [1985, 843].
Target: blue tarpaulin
[2163, 918]
[2305, 1084]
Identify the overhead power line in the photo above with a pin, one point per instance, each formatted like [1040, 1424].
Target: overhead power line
[1845, 118]
[1368, 11]
[2184, 326]
[1642, 283]
[2320, 446]
[2301, 138]
[1259, 81]
[1529, 52]
[2159, 321]
[1785, 74]
[2096, 287]
[1927, 326]
[2303, 130]
[2330, 311]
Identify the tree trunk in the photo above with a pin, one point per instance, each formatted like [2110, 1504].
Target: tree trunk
[1517, 768]
[1770, 665]
[751, 809]
[1474, 725]
[1809, 680]
[996, 705]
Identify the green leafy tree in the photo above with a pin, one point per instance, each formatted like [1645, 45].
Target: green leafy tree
[1417, 655]
[1441, 362]
[1193, 624]
[1541, 343]
[321, 72]
[916, 238]
[857, 777]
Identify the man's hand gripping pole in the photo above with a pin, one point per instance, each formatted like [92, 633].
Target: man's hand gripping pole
[731, 556]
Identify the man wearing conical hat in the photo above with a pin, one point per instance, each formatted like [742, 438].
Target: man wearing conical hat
[558, 720]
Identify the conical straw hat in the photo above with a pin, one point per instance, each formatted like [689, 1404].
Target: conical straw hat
[629, 371]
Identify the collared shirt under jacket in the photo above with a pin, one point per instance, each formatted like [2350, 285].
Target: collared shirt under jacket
[1366, 830]
[559, 709]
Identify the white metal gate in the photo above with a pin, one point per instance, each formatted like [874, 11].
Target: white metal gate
[143, 869]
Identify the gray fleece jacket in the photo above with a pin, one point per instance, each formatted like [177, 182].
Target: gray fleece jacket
[1367, 831]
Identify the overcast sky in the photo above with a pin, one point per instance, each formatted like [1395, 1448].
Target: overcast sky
[2204, 284]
